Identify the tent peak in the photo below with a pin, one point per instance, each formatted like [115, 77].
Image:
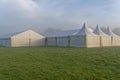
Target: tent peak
[98, 31]
[84, 31]
[110, 32]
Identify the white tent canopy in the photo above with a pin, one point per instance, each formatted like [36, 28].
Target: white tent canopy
[24, 38]
[59, 38]
[105, 40]
[73, 38]
[84, 38]
[99, 32]
[115, 39]
[110, 32]
[84, 31]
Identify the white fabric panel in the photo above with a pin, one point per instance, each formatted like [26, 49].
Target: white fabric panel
[77, 41]
[27, 38]
[0, 42]
[52, 41]
[19, 42]
[5, 42]
[36, 39]
[38, 42]
[105, 41]
[115, 40]
[93, 41]
[63, 41]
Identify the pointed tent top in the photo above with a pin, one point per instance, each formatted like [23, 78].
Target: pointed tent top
[84, 24]
[84, 31]
[110, 32]
[97, 26]
[98, 31]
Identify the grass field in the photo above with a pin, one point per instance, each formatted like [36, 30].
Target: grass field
[51, 63]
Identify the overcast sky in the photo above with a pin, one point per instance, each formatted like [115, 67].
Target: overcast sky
[39, 15]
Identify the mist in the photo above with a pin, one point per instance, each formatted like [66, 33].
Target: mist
[42, 15]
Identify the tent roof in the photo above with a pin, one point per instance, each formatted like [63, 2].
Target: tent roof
[9, 35]
[98, 31]
[110, 32]
[12, 34]
[84, 31]
[60, 33]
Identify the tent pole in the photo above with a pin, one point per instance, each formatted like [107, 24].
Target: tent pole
[100, 41]
[46, 42]
[69, 41]
[29, 40]
[111, 40]
[56, 41]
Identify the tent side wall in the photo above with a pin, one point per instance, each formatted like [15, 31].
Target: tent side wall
[1, 42]
[36, 39]
[115, 40]
[51, 41]
[77, 41]
[27, 38]
[5, 42]
[63, 41]
[21, 39]
[92, 41]
[105, 41]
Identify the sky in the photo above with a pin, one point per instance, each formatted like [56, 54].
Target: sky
[42, 15]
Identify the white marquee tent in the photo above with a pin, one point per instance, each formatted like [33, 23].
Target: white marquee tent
[105, 40]
[84, 38]
[115, 39]
[51, 41]
[63, 41]
[60, 38]
[25, 38]
[73, 38]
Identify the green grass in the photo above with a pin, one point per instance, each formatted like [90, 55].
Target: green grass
[51, 63]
